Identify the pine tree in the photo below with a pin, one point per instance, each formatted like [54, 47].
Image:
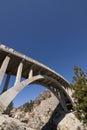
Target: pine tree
[9, 108]
[79, 85]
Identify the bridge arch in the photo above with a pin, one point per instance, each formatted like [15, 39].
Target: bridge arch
[58, 90]
[15, 63]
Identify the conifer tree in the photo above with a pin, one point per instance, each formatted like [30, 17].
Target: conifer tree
[9, 108]
[80, 94]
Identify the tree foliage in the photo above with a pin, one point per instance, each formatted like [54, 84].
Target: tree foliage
[27, 107]
[79, 85]
[9, 108]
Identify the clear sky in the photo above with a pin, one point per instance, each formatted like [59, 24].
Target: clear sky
[54, 32]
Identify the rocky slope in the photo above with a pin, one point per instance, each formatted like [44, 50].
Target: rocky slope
[8, 123]
[45, 113]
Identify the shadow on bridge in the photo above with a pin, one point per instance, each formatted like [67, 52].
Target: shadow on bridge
[56, 117]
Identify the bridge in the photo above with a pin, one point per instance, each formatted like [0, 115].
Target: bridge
[33, 72]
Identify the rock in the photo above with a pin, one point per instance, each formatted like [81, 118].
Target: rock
[41, 114]
[70, 122]
[43, 96]
[8, 123]
[46, 114]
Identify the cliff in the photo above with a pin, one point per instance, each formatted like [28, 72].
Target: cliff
[45, 113]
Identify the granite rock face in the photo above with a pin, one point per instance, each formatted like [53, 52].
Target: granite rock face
[42, 109]
[70, 122]
[8, 123]
[45, 113]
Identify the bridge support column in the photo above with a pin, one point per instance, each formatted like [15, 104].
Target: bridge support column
[62, 100]
[19, 73]
[6, 83]
[3, 68]
[10, 94]
[60, 95]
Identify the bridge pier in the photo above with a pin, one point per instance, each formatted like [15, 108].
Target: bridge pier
[62, 101]
[60, 95]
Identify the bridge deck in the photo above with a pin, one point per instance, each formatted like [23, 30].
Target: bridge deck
[49, 78]
[28, 63]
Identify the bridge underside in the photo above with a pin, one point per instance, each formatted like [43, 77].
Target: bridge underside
[33, 72]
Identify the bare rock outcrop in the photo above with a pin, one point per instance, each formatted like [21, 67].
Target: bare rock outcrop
[45, 113]
[8, 123]
[41, 111]
[70, 122]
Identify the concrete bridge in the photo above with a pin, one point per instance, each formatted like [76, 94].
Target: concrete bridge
[33, 72]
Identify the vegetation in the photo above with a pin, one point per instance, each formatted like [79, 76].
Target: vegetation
[79, 85]
[27, 107]
[9, 108]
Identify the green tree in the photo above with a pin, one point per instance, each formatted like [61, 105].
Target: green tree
[9, 108]
[27, 107]
[79, 85]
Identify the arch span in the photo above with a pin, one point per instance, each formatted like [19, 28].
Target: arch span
[15, 63]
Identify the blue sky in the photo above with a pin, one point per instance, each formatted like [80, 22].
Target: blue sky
[54, 32]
